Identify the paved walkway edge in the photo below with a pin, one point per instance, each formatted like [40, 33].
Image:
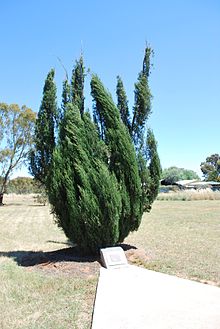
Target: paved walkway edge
[136, 298]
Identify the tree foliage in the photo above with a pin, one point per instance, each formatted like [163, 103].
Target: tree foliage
[146, 146]
[23, 185]
[211, 168]
[44, 138]
[142, 101]
[77, 85]
[82, 191]
[154, 166]
[122, 103]
[65, 97]
[101, 175]
[122, 158]
[174, 174]
[16, 132]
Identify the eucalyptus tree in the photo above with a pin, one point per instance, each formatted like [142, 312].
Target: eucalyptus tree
[16, 137]
[211, 168]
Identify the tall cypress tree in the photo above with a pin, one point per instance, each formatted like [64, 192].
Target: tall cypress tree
[44, 140]
[122, 103]
[65, 97]
[142, 101]
[154, 166]
[83, 192]
[77, 85]
[122, 158]
[146, 149]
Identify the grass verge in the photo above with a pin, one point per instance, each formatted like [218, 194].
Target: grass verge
[182, 238]
[32, 298]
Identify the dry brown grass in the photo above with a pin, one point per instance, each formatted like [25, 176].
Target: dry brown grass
[189, 195]
[30, 297]
[182, 238]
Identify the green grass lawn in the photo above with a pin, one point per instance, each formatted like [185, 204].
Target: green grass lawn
[179, 238]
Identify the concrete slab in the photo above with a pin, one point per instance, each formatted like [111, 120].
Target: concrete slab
[136, 298]
[113, 257]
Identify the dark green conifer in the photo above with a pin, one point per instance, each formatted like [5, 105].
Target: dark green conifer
[122, 158]
[83, 192]
[65, 95]
[100, 176]
[44, 140]
[142, 101]
[148, 159]
[77, 85]
[122, 103]
[154, 166]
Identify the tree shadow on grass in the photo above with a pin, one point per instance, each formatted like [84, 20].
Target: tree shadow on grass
[20, 204]
[28, 258]
[68, 243]
[126, 246]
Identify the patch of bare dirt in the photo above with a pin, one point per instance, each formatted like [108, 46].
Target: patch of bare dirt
[137, 256]
[80, 270]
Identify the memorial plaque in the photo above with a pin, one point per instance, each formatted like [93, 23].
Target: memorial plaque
[113, 257]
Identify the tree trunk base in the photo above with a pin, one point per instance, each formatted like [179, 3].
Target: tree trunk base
[1, 199]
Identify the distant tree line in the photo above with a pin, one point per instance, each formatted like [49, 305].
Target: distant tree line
[174, 174]
[210, 169]
[23, 185]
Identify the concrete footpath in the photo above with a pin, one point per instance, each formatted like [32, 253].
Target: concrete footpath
[136, 298]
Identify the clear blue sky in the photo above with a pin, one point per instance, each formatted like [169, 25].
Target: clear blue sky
[185, 80]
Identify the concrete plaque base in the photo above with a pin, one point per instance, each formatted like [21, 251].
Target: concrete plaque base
[113, 257]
